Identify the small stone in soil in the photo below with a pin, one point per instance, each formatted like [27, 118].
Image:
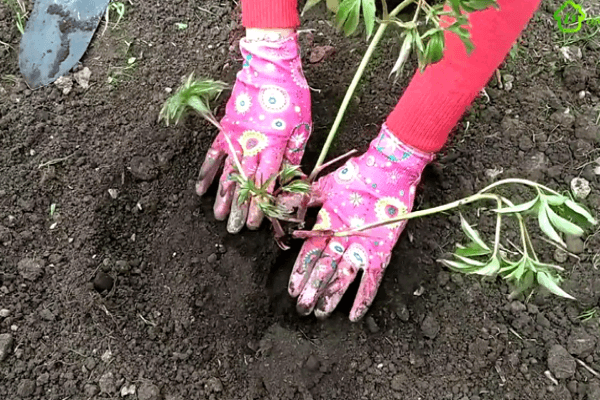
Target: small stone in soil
[560, 256]
[372, 325]
[581, 344]
[574, 244]
[90, 390]
[31, 268]
[47, 315]
[430, 326]
[107, 383]
[212, 258]
[213, 385]
[403, 313]
[43, 379]
[6, 343]
[122, 266]
[103, 282]
[4, 313]
[580, 187]
[127, 390]
[143, 168]
[312, 363]
[148, 391]
[26, 388]
[560, 362]
[398, 382]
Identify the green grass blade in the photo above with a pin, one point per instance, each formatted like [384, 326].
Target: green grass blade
[472, 233]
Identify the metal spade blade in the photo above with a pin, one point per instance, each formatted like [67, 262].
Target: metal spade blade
[57, 34]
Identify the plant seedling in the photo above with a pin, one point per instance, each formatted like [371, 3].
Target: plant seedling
[18, 7]
[196, 94]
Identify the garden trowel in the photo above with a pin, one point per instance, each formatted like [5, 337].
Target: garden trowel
[57, 34]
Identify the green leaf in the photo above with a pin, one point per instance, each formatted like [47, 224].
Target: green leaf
[470, 261]
[404, 53]
[472, 233]
[563, 225]
[550, 283]
[575, 207]
[519, 269]
[348, 16]
[310, 4]
[368, 7]
[491, 268]
[418, 42]
[546, 226]
[555, 200]
[333, 5]
[519, 208]
[455, 4]
[473, 250]
[477, 5]
[297, 187]
[458, 266]
[435, 48]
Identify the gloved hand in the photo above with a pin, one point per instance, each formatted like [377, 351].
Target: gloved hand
[377, 186]
[268, 119]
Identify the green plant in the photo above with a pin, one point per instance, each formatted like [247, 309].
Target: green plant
[116, 7]
[553, 211]
[20, 11]
[588, 314]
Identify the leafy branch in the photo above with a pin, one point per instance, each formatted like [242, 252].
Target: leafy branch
[424, 37]
[555, 214]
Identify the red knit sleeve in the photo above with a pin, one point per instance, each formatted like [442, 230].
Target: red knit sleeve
[270, 14]
[436, 99]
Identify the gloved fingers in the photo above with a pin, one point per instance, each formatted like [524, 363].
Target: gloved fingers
[268, 168]
[320, 276]
[309, 254]
[239, 211]
[210, 167]
[225, 192]
[367, 290]
[335, 290]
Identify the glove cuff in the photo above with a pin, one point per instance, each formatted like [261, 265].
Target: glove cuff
[397, 152]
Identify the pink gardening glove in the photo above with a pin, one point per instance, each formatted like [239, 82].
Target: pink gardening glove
[268, 119]
[378, 185]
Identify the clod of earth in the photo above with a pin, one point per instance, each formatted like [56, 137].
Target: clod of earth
[26, 388]
[107, 383]
[143, 168]
[149, 391]
[103, 282]
[6, 343]
[83, 77]
[560, 362]
[31, 268]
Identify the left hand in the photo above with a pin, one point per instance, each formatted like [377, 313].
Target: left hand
[377, 186]
[267, 119]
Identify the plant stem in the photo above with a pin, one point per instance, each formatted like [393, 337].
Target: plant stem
[422, 213]
[517, 180]
[361, 69]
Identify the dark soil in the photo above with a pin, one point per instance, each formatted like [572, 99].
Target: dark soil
[141, 286]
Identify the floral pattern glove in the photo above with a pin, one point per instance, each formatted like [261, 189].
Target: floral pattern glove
[377, 186]
[268, 119]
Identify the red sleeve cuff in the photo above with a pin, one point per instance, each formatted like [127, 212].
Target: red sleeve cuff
[270, 14]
